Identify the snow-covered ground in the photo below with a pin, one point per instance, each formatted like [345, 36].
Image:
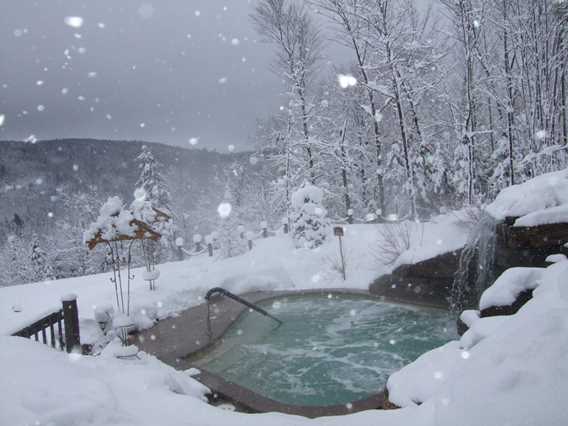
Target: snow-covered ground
[504, 371]
[274, 263]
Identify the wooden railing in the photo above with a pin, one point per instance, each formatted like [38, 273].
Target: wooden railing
[59, 329]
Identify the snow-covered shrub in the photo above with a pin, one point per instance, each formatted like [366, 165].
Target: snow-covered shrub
[113, 220]
[394, 239]
[310, 225]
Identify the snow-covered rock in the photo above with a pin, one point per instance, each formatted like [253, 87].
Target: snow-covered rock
[535, 195]
[509, 285]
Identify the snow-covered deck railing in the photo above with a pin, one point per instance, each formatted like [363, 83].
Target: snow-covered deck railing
[65, 319]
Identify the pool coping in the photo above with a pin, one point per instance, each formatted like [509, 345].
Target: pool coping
[249, 401]
[179, 354]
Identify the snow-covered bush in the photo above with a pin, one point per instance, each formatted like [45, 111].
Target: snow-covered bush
[113, 220]
[310, 225]
[394, 239]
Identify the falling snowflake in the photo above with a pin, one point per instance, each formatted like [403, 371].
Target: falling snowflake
[2, 119]
[346, 80]
[224, 210]
[74, 21]
[193, 141]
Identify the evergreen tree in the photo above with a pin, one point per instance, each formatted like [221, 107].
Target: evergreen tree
[231, 242]
[155, 192]
[152, 181]
[41, 269]
[309, 217]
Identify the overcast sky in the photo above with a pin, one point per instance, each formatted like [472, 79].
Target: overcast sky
[164, 71]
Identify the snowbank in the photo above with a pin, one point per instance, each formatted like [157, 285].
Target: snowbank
[505, 370]
[540, 193]
[41, 386]
[443, 234]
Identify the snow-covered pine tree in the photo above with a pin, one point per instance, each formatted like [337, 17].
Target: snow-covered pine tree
[41, 269]
[152, 181]
[156, 193]
[309, 221]
[230, 241]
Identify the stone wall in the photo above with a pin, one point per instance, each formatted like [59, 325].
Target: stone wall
[429, 282]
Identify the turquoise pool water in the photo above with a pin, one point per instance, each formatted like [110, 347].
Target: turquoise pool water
[330, 349]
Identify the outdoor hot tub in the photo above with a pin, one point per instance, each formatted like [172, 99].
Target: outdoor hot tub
[331, 349]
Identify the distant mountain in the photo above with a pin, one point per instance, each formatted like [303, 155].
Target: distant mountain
[32, 175]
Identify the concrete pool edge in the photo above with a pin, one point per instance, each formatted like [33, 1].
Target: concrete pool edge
[165, 344]
[249, 401]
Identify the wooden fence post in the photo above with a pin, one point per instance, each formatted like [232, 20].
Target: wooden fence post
[71, 322]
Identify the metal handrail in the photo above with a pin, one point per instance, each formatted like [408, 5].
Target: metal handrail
[226, 293]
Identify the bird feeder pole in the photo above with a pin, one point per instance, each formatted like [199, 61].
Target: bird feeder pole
[339, 233]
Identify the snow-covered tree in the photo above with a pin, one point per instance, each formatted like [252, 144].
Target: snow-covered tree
[289, 27]
[152, 189]
[310, 226]
[152, 182]
[40, 263]
[229, 239]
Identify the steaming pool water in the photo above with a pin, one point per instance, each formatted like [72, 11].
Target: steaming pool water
[330, 349]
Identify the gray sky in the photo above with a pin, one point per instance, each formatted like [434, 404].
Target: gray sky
[164, 71]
